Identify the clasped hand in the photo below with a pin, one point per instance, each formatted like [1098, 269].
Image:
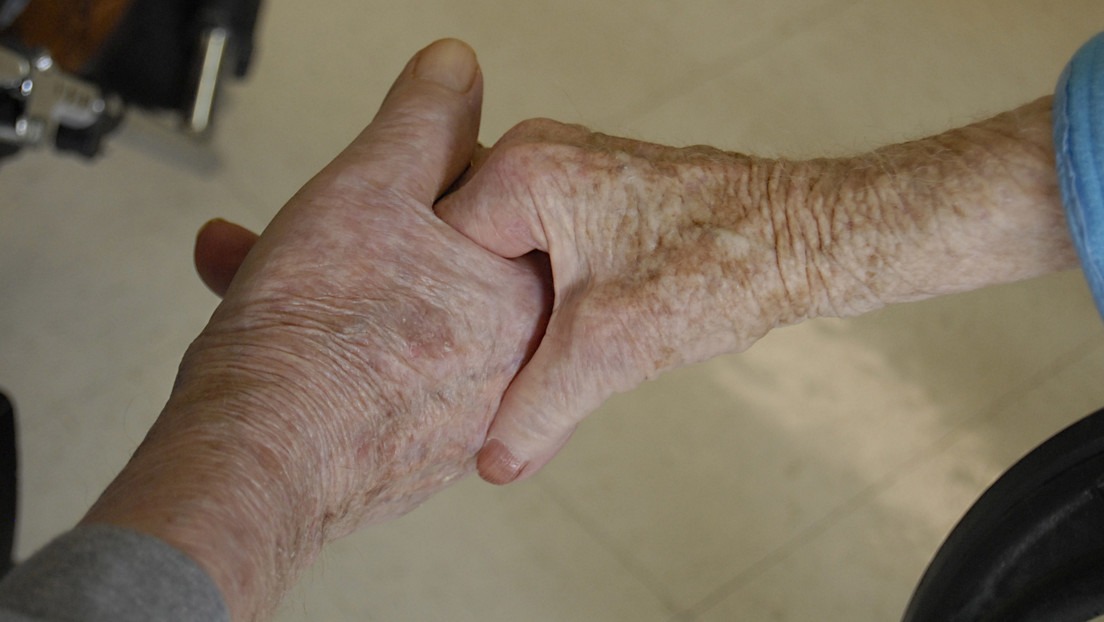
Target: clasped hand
[628, 227]
[361, 336]
[423, 300]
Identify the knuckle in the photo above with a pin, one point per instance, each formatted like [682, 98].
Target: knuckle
[542, 130]
[530, 129]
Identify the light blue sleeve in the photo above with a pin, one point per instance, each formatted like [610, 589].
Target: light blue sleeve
[1079, 148]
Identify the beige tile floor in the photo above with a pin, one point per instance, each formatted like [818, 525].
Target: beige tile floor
[811, 478]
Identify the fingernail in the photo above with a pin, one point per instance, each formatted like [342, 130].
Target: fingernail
[497, 465]
[448, 62]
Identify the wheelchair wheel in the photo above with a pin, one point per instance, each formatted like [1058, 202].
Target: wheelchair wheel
[1032, 547]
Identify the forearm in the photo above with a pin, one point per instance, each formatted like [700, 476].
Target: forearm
[664, 256]
[226, 477]
[271, 447]
[718, 248]
[353, 365]
[214, 503]
[971, 207]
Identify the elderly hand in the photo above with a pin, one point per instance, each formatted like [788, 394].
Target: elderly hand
[663, 256]
[355, 362]
[660, 257]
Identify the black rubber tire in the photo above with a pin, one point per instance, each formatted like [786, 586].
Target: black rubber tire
[1032, 547]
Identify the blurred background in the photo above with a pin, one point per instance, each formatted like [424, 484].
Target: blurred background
[811, 478]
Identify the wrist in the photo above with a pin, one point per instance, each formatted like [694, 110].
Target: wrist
[228, 493]
[972, 207]
[797, 202]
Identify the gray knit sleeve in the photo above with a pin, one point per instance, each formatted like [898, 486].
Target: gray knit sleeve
[102, 573]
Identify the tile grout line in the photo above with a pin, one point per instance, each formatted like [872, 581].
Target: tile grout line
[719, 67]
[936, 447]
[624, 557]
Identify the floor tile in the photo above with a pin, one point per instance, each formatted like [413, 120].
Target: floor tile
[473, 553]
[718, 466]
[700, 475]
[878, 72]
[865, 565]
[100, 301]
[754, 469]
[321, 73]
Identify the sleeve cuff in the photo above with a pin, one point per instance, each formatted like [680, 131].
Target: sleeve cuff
[1079, 151]
[104, 573]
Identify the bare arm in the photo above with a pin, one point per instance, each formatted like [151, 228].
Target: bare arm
[665, 256]
[972, 207]
[354, 364]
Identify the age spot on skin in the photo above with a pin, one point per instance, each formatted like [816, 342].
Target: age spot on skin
[424, 332]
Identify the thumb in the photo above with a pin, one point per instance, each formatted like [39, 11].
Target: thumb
[559, 386]
[424, 134]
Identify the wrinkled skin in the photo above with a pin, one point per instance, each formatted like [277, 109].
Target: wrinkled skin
[375, 327]
[364, 345]
[408, 331]
[661, 257]
[354, 365]
[664, 256]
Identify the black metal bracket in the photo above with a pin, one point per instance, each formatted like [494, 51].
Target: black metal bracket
[9, 484]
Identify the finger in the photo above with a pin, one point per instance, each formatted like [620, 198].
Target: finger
[540, 410]
[424, 134]
[493, 218]
[220, 248]
[497, 465]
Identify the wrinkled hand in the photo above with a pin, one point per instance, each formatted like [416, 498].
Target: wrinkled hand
[660, 257]
[390, 336]
[664, 256]
[358, 356]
